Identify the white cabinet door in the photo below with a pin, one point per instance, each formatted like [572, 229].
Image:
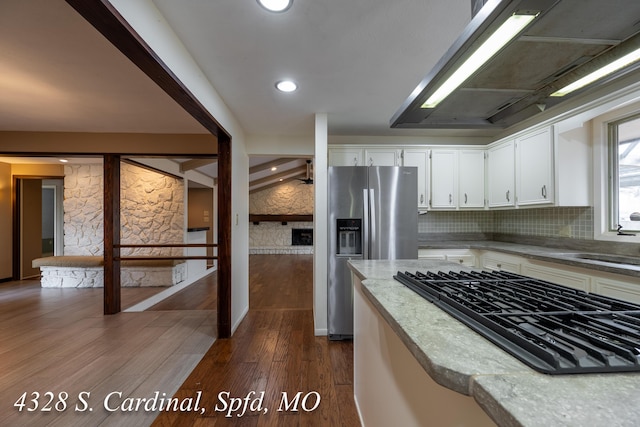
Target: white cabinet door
[624, 290]
[534, 168]
[562, 275]
[501, 176]
[444, 174]
[465, 257]
[419, 159]
[471, 178]
[500, 262]
[345, 157]
[381, 157]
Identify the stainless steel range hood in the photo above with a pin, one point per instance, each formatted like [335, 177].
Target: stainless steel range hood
[566, 41]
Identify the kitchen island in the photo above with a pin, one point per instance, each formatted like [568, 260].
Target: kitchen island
[416, 365]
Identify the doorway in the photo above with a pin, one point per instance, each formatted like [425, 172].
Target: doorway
[39, 222]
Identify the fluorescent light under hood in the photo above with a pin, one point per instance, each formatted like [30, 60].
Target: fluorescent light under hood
[610, 68]
[503, 35]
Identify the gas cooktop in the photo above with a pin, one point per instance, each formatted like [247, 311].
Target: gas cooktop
[552, 328]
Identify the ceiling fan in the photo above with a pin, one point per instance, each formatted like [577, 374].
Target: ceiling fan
[308, 180]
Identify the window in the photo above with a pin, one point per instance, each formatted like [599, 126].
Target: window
[624, 174]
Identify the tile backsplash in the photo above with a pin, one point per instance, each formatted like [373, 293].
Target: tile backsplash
[574, 222]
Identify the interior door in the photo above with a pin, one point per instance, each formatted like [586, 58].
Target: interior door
[30, 226]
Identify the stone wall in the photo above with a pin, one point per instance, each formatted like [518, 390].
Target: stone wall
[83, 211]
[93, 277]
[152, 210]
[291, 198]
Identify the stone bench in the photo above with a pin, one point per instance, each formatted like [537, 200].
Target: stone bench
[69, 271]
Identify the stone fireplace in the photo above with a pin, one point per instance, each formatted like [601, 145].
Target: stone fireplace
[277, 237]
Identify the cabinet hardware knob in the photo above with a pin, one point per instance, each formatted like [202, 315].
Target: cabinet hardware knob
[508, 191]
[544, 191]
[450, 198]
[421, 198]
[465, 198]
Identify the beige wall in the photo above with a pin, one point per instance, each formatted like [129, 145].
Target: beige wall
[6, 258]
[102, 143]
[200, 202]
[37, 170]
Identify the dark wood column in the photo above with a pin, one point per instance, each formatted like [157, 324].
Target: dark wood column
[224, 236]
[111, 234]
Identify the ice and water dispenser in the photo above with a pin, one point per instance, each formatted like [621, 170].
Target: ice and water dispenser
[349, 236]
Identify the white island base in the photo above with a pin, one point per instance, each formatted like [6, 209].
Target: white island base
[390, 386]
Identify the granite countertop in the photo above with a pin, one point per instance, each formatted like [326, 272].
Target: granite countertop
[577, 258]
[510, 392]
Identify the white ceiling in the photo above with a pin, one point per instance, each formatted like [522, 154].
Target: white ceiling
[356, 60]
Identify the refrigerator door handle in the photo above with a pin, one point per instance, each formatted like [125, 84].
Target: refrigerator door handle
[365, 225]
[372, 230]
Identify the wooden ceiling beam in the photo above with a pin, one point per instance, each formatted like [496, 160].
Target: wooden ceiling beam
[268, 165]
[276, 176]
[276, 183]
[195, 163]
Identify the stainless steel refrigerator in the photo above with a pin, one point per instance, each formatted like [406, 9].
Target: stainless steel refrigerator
[373, 214]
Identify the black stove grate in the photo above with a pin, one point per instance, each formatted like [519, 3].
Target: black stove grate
[552, 328]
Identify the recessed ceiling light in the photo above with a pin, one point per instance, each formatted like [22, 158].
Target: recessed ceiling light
[273, 169]
[286, 86]
[63, 160]
[276, 5]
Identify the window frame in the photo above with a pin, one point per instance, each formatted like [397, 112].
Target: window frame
[614, 171]
[602, 178]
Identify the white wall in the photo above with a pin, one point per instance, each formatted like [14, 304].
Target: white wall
[320, 218]
[278, 145]
[149, 23]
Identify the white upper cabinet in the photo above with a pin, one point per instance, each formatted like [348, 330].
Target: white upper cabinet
[471, 178]
[346, 157]
[544, 166]
[381, 157]
[534, 168]
[444, 179]
[419, 158]
[457, 179]
[501, 174]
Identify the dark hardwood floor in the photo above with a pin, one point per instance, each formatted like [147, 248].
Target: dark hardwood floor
[201, 295]
[274, 351]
